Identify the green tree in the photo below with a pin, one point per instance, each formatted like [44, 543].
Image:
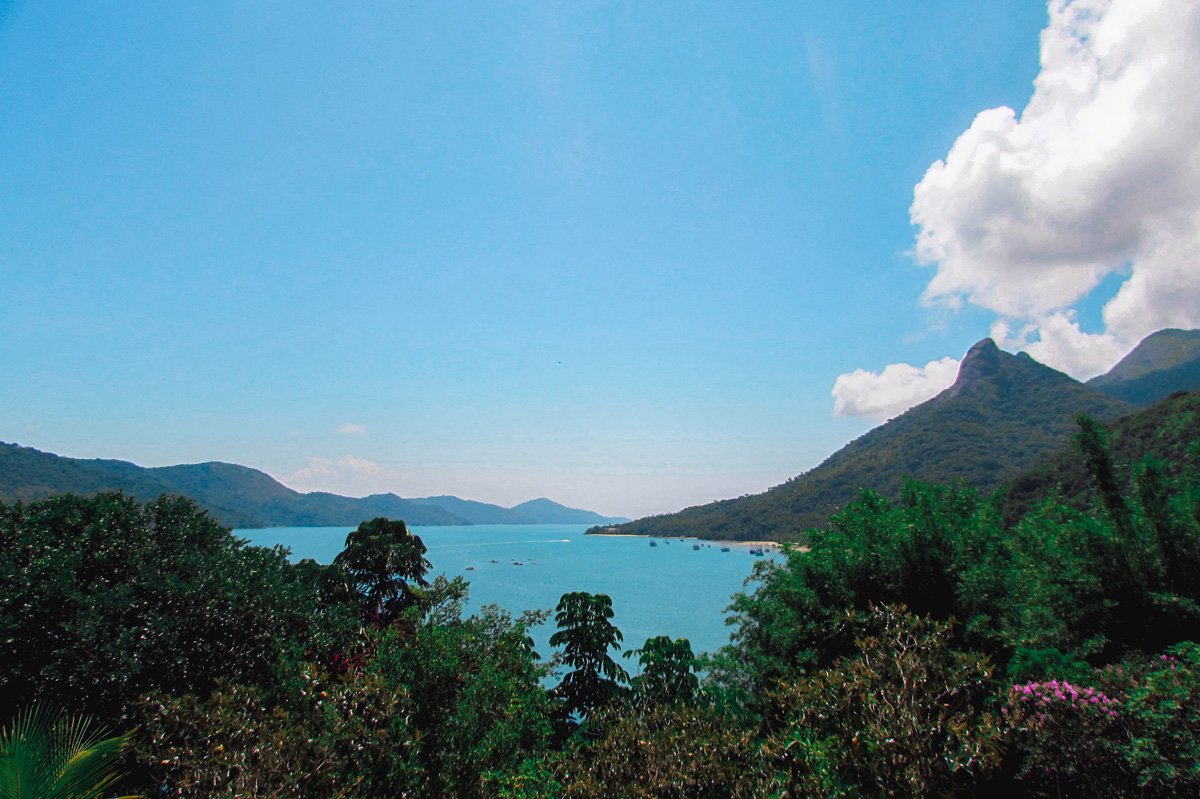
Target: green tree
[586, 633]
[917, 551]
[478, 706]
[103, 599]
[668, 674]
[440, 710]
[381, 560]
[67, 758]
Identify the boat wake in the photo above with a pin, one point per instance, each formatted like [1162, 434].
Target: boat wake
[498, 543]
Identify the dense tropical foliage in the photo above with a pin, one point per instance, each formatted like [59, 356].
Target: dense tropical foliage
[938, 643]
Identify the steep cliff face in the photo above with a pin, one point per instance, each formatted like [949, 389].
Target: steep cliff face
[980, 368]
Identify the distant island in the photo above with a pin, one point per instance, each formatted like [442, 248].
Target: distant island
[239, 496]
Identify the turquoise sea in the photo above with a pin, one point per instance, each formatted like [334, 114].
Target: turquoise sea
[667, 589]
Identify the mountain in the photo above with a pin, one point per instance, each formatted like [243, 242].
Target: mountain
[535, 511]
[544, 511]
[475, 512]
[1161, 364]
[1003, 413]
[239, 496]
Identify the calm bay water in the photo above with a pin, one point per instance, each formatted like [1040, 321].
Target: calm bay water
[668, 589]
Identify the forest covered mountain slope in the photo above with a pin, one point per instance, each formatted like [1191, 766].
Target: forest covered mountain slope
[1001, 416]
[1167, 432]
[239, 496]
[1161, 364]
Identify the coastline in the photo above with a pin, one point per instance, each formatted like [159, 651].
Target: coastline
[776, 545]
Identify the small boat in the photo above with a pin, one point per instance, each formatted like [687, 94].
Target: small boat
[653, 543]
[696, 547]
[470, 568]
[724, 549]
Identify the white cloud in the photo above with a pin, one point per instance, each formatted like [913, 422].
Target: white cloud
[348, 475]
[1099, 175]
[1061, 341]
[897, 388]
[352, 429]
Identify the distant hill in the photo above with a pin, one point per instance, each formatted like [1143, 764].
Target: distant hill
[535, 511]
[1163, 363]
[1003, 413]
[544, 511]
[239, 496]
[474, 512]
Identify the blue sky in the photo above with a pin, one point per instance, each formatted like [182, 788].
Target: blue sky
[614, 254]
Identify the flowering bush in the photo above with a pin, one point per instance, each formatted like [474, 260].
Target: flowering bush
[1047, 695]
[1068, 736]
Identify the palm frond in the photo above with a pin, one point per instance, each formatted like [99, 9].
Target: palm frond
[43, 756]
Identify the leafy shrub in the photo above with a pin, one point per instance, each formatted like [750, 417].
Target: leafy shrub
[533, 778]
[477, 704]
[1161, 720]
[346, 737]
[664, 752]
[1032, 665]
[905, 716]
[422, 713]
[1136, 732]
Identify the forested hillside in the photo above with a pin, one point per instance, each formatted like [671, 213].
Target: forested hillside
[1161, 364]
[1167, 433]
[239, 496]
[1003, 413]
[235, 495]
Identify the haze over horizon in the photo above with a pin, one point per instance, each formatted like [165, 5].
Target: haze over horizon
[630, 258]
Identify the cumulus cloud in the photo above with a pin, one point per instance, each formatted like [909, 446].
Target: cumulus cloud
[1061, 341]
[345, 475]
[1098, 175]
[352, 429]
[892, 391]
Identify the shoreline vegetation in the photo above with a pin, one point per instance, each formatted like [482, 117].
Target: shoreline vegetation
[938, 643]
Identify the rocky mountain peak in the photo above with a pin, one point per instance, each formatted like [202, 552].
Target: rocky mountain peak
[981, 364]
